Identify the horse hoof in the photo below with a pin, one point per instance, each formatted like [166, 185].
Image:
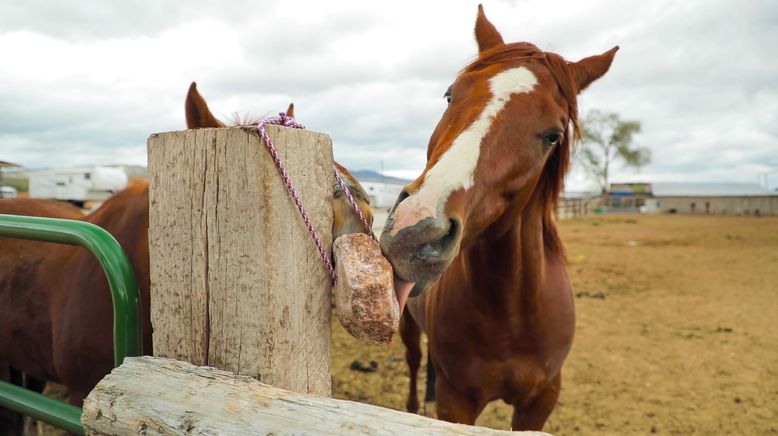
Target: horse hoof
[430, 411]
[412, 406]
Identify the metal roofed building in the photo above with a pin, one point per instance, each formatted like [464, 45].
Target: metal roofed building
[709, 190]
[703, 198]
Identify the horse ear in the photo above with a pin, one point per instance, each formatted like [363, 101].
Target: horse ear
[587, 70]
[486, 34]
[290, 110]
[197, 113]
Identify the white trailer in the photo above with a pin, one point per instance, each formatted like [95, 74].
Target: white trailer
[77, 185]
[382, 194]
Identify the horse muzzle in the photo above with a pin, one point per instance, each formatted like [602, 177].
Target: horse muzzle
[421, 252]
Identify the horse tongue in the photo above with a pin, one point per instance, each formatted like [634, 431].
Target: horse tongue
[402, 290]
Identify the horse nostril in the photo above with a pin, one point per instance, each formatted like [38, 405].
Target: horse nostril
[440, 247]
[453, 230]
[400, 198]
[389, 224]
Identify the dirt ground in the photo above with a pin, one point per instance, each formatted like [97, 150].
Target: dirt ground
[677, 331]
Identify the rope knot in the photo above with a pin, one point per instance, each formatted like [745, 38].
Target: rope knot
[287, 121]
[284, 118]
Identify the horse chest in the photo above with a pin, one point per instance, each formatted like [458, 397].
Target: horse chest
[511, 359]
[511, 350]
[516, 379]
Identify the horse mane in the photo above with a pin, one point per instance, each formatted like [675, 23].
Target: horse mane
[552, 180]
[245, 120]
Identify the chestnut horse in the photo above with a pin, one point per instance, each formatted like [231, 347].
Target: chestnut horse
[474, 237]
[56, 314]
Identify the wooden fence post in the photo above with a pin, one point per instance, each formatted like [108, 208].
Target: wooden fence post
[236, 281]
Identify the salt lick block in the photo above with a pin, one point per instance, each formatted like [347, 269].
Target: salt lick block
[365, 301]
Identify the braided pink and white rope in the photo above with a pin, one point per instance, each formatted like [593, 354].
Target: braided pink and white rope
[283, 120]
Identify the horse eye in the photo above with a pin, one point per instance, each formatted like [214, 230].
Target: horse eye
[552, 138]
[447, 96]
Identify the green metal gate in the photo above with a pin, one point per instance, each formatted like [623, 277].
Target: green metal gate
[127, 339]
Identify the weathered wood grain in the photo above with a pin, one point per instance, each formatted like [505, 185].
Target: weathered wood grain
[236, 281]
[155, 396]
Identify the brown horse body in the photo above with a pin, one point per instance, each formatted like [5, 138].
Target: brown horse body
[55, 304]
[475, 234]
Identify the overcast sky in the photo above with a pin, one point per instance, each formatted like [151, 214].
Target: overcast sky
[86, 82]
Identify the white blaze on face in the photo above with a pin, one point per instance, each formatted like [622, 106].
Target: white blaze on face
[456, 168]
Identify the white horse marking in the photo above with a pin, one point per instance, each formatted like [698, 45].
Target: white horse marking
[456, 168]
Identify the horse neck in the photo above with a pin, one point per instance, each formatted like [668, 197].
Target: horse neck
[507, 268]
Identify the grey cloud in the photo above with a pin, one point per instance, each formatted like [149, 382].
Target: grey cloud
[98, 19]
[700, 76]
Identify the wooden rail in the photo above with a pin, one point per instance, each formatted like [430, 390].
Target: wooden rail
[148, 395]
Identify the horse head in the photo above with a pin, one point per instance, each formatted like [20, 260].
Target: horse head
[345, 220]
[504, 138]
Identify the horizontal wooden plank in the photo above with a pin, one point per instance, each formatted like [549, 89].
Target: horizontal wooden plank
[153, 395]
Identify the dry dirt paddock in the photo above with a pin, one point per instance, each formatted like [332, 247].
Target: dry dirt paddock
[677, 331]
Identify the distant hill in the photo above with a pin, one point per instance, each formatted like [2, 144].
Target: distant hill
[374, 176]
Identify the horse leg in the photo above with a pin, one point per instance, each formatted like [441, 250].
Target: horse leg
[11, 423]
[411, 337]
[454, 406]
[30, 425]
[34, 384]
[535, 415]
[429, 395]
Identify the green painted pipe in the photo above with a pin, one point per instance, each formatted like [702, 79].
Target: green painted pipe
[127, 337]
[41, 407]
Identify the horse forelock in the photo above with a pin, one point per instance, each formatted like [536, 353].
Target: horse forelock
[517, 51]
